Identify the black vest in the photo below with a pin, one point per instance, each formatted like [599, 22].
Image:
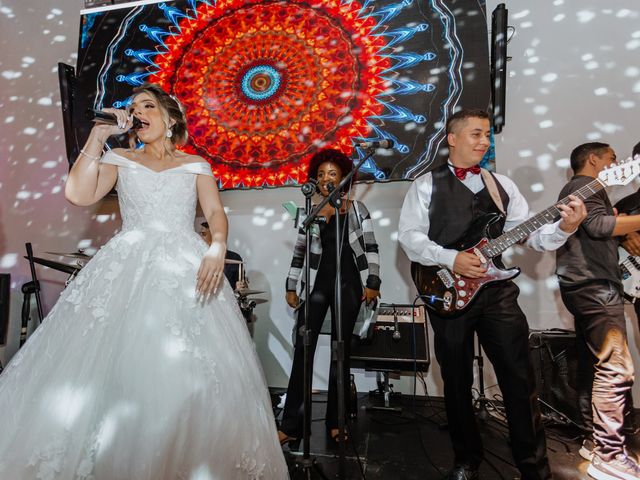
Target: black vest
[454, 207]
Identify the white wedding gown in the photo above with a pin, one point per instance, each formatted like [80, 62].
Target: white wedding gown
[130, 377]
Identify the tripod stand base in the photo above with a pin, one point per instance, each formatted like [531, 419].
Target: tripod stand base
[385, 389]
[384, 409]
[307, 468]
[480, 406]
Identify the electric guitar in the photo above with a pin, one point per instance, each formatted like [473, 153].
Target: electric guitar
[449, 294]
[630, 267]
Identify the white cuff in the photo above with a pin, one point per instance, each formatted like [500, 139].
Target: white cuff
[447, 257]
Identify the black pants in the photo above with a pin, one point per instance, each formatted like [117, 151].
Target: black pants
[321, 299]
[605, 366]
[503, 332]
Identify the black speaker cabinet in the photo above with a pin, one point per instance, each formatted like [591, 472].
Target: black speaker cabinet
[5, 288]
[398, 341]
[554, 359]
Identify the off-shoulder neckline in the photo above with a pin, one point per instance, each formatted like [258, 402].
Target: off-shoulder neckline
[158, 171]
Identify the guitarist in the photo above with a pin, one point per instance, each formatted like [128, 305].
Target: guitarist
[438, 209]
[630, 205]
[591, 289]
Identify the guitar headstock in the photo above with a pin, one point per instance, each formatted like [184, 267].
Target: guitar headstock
[621, 173]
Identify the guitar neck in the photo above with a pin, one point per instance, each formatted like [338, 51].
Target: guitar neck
[495, 247]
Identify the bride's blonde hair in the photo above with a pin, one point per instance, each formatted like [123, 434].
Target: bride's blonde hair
[170, 108]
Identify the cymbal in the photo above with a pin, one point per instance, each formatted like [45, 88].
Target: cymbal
[249, 292]
[61, 267]
[80, 255]
[231, 261]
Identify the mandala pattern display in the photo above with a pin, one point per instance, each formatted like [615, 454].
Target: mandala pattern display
[267, 84]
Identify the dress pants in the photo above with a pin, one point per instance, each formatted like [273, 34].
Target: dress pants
[605, 366]
[503, 333]
[321, 299]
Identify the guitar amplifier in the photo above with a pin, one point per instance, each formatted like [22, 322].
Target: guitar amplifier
[398, 341]
[555, 363]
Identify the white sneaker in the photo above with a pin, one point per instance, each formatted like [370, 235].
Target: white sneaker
[622, 467]
[586, 449]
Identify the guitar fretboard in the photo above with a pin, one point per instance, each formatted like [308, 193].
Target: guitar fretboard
[498, 245]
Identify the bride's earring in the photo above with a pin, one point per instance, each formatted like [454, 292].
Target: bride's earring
[169, 133]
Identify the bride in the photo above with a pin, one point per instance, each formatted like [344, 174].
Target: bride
[144, 369]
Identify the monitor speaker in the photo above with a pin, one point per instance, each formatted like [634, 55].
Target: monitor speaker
[554, 359]
[499, 59]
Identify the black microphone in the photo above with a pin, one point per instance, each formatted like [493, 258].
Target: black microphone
[386, 143]
[396, 330]
[109, 118]
[330, 187]
[310, 187]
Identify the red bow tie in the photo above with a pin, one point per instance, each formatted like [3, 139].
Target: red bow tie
[461, 173]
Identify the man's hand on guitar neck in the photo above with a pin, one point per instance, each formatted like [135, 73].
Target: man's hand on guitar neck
[572, 214]
[469, 265]
[631, 243]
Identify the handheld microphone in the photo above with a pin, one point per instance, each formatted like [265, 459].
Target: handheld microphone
[386, 143]
[109, 118]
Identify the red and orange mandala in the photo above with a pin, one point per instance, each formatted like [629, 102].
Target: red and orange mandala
[266, 85]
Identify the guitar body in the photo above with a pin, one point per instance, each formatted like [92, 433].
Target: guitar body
[451, 294]
[630, 267]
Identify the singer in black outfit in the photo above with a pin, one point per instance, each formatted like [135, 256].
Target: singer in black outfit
[360, 282]
[439, 208]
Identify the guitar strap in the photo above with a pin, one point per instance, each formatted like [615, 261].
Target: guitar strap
[490, 183]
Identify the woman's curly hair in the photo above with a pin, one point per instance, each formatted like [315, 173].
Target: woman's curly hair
[344, 163]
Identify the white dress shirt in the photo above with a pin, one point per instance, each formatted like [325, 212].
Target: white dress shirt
[413, 232]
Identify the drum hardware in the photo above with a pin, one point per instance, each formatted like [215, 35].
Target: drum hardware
[245, 291]
[33, 287]
[79, 254]
[72, 270]
[258, 301]
[249, 303]
[28, 289]
[61, 267]
[242, 294]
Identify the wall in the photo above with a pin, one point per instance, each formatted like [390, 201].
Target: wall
[574, 77]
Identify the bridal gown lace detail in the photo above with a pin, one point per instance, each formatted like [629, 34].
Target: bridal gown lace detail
[130, 376]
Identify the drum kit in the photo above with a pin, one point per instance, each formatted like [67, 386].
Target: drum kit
[243, 293]
[71, 269]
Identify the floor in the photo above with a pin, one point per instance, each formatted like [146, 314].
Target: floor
[414, 444]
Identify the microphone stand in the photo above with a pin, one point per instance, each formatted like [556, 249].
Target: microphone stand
[337, 346]
[307, 462]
